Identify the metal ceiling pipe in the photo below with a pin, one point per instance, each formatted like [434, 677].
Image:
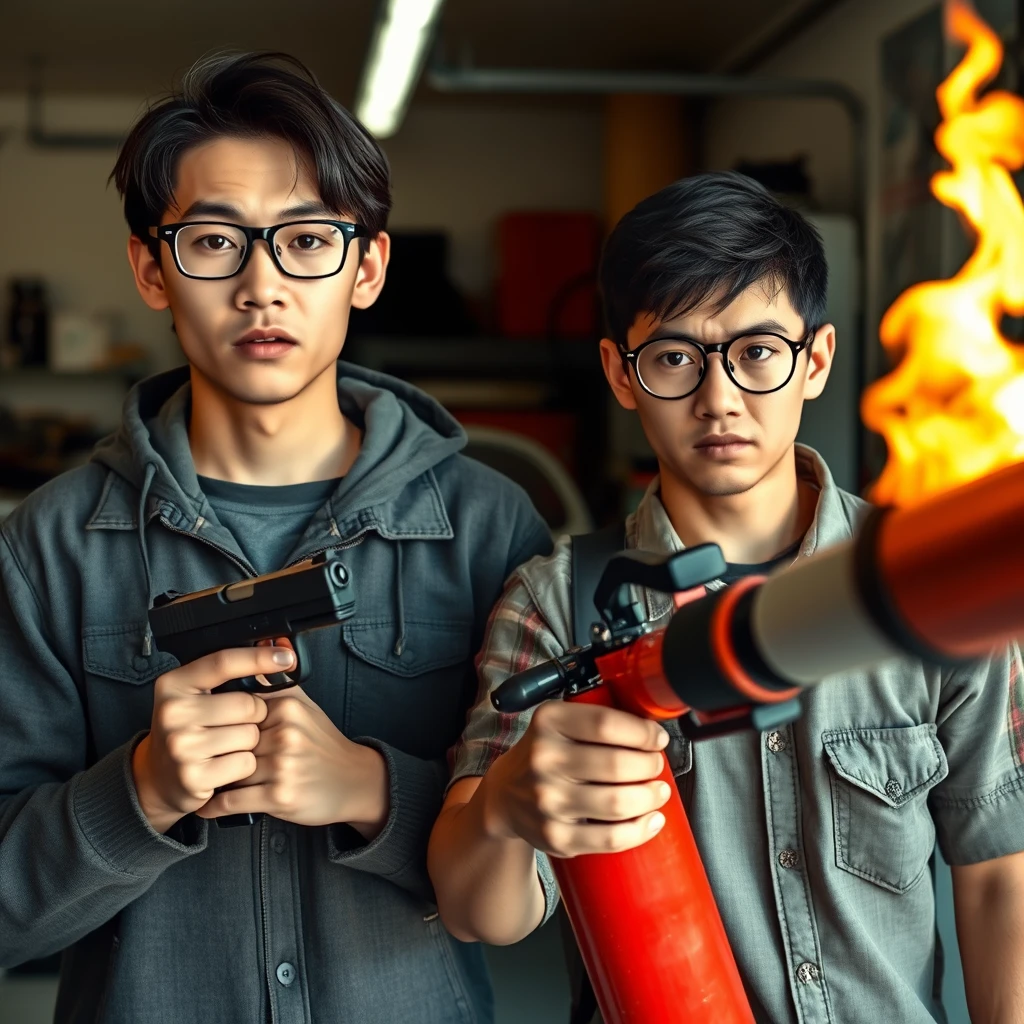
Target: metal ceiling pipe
[445, 78]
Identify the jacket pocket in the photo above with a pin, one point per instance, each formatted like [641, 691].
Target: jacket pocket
[115, 652]
[880, 782]
[416, 699]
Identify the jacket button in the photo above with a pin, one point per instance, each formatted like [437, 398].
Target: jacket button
[285, 973]
[776, 742]
[278, 842]
[806, 973]
[789, 858]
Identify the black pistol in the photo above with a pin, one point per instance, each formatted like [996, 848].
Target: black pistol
[287, 603]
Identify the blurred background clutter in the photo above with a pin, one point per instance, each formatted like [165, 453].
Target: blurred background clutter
[526, 130]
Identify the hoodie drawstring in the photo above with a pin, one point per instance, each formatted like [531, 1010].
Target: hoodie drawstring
[399, 600]
[147, 641]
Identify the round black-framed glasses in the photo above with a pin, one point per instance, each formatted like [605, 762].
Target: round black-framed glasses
[671, 368]
[215, 250]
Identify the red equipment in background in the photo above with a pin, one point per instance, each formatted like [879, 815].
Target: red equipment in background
[943, 581]
[547, 265]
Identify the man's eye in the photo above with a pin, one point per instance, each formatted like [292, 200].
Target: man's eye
[674, 358]
[308, 242]
[217, 243]
[758, 353]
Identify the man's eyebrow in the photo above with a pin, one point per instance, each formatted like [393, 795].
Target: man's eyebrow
[209, 208]
[214, 208]
[310, 208]
[761, 327]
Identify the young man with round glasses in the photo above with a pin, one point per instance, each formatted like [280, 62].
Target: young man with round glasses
[257, 208]
[817, 837]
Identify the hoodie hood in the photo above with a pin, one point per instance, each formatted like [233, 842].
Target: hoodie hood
[405, 434]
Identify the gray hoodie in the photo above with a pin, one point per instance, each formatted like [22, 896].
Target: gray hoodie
[276, 922]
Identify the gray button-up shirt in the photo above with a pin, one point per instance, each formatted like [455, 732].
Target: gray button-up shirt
[817, 837]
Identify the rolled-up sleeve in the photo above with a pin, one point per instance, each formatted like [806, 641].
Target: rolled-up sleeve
[979, 807]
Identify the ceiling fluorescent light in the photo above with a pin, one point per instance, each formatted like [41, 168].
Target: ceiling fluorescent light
[398, 47]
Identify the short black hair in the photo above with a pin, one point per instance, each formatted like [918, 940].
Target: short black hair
[249, 96]
[709, 237]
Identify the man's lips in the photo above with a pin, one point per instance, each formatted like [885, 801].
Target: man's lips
[265, 335]
[721, 441]
[722, 446]
[269, 343]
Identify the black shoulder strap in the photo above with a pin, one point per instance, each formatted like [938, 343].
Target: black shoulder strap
[590, 554]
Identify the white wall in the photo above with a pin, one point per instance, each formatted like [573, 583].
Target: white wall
[456, 166]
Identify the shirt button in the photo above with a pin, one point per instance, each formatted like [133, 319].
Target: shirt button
[286, 973]
[806, 973]
[278, 842]
[789, 858]
[893, 790]
[776, 742]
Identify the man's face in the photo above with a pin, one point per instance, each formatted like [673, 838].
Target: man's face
[722, 440]
[256, 183]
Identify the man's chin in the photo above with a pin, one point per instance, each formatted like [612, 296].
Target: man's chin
[721, 481]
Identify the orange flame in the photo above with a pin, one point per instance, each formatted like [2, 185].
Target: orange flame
[953, 409]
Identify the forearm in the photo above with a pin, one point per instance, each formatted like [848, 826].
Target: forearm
[100, 855]
[990, 930]
[487, 885]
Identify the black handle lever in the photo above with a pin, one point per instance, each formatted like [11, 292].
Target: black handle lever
[683, 571]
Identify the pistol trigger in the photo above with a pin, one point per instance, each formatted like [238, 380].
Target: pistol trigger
[300, 672]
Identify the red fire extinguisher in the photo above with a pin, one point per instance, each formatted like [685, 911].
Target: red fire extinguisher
[943, 581]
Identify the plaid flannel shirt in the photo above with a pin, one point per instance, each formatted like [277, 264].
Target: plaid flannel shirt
[817, 837]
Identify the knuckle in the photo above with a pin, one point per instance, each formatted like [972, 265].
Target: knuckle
[222, 664]
[605, 726]
[190, 778]
[175, 744]
[165, 716]
[555, 838]
[542, 713]
[617, 805]
[282, 794]
[613, 839]
[548, 801]
[289, 738]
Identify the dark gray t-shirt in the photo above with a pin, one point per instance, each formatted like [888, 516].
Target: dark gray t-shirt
[267, 522]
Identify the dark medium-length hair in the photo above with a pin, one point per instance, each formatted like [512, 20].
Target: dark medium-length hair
[703, 240]
[252, 96]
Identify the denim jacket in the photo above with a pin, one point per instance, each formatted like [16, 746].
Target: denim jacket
[277, 922]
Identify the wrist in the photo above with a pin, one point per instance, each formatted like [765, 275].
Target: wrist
[494, 820]
[373, 794]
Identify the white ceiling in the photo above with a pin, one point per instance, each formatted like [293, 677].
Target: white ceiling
[122, 46]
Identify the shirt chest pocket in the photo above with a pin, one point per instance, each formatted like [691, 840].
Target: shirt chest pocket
[880, 781]
[119, 680]
[416, 700]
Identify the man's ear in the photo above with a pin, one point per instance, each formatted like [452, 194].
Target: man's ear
[616, 375]
[372, 269]
[149, 276]
[820, 354]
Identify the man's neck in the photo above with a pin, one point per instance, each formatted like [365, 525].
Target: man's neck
[751, 527]
[298, 441]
